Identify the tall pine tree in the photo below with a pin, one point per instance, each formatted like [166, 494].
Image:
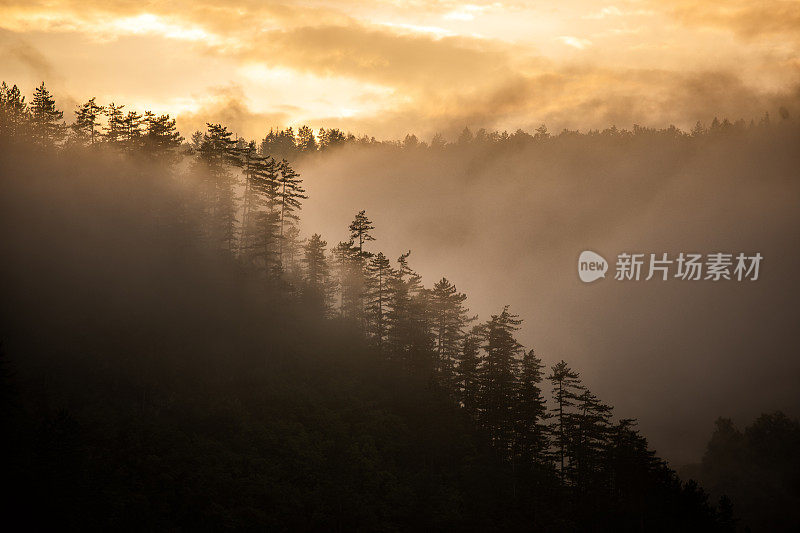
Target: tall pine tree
[498, 377]
[290, 195]
[218, 154]
[14, 115]
[316, 290]
[48, 130]
[449, 317]
[566, 387]
[531, 432]
[379, 275]
[87, 122]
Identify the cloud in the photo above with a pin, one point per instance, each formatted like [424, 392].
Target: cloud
[28, 56]
[383, 69]
[383, 56]
[744, 18]
[435, 31]
[578, 98]
[228, 105]
[610, 11]
[575, 42]
[467, 12]
[586, 98]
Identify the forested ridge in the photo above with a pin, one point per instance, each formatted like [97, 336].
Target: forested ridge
[757, 468]
[179, 356]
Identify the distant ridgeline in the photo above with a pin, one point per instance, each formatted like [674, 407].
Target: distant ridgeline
[337, 454]
[41, 121]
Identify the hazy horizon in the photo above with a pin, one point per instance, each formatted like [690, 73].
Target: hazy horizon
[387, 69]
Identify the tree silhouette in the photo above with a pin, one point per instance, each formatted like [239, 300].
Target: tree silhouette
[588, 440]
[450, 317]
[132, 124]
[379, 274]
[289, 195]
[360, 229]
[160, 136]
[350, 279]
[566, 387]
[14, 114]
[279, 144]
[531, 433]
[306, 142]
[218, 153]
[317, 274]
[330, 138]
[115, 130]
[498, 378]
[45, 118]
[409, 337]
[467, 371]
[87, 121]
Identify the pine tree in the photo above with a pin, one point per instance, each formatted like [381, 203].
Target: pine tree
[410, 142]
[132, 130]
[531, 432]
[352, 266]
[438, 142]
[262, 219]
[360, 229]
[378, 274]
[278, 144]
[250, 159]
[161, 136]
[467, 371]
[87, 122]
[316, 289]
[331, 138]
[409, 337]
[46, 119]
[293, 246]
[588, 442]
[197, 140]
[14, 114]
[566, 387]
[290, 195]
[449, 318]
[498, 377]
[350, 281]
[218, 154]
[628, 462]
[115, 130]
[306, 142]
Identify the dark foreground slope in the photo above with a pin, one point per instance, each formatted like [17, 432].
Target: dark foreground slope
[158, 386]
[150, 383]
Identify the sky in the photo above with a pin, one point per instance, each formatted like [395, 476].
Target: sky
[389, 67]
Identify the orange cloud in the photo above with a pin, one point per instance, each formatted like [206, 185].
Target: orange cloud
[745, 18]
[384, 68]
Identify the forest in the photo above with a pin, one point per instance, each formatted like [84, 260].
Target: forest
[179, 353]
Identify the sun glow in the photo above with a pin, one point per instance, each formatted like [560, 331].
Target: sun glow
[147, 23]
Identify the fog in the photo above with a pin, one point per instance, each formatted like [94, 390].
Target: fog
[102, 248]
[507, 223]
[103, 261]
